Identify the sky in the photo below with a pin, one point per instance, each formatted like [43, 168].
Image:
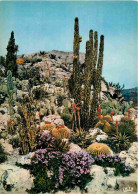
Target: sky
[46, 26]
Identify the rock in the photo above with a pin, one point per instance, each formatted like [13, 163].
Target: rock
[3, 120]
[128, 184]
[7, 147]
[130, 156]
[26, 159]
[18, 178]
[102, 137]
[74, 148]
[97, 132]
[98, 184]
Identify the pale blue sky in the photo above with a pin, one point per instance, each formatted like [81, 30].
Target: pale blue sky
[49, 26]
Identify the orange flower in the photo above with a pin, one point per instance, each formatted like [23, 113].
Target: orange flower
[116, 122]
[9, 121]
[129, 110]
[74, 105]
[74, 57]
[99, 109]
[111, 112]
[39, 114]
[77, 108]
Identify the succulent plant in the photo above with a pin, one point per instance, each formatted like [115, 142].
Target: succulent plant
[122, 141]
[99, 148]
[61, 131]
[104, 125]
[47, 126]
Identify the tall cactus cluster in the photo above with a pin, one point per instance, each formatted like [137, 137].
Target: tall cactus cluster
[91, 75]
[10, 88]
[76, 64]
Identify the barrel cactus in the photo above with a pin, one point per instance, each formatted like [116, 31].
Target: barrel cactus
[61, 131]
[99, 148]
[47, 126]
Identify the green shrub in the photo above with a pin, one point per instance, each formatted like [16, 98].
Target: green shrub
[60, 98]
[54, 171]
[67, 119]
[114, 162]
[82, 138]
[3, 157]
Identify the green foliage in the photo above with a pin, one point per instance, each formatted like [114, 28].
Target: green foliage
[32, 60]
[114, 161]
[67, 119]
[10, 90]
[115, 106]
[60, 98]
[11, 55]
[53, 171]
[82, 138]
[121, 142]
[59, 145]
[3, 156]
[15, 141]
[39, 93]
[126, 127]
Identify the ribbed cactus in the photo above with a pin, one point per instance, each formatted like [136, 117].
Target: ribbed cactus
[10, 88]
[97, 72]
[76, 64]
[99, 148]
[91, 76]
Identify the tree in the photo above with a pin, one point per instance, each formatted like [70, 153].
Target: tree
[11, 55]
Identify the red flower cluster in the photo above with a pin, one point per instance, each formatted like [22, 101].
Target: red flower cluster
[111, 113]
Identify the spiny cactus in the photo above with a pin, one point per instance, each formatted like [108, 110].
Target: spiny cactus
[47, 126]
[76, 64]
[99, 148]
[27, 127]
[61, 132]
[91, 76]
[10, 88]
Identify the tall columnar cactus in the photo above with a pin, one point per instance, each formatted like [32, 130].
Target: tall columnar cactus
[76, 64]
[96, 77]
[10, 88]
[87, 85]
[92, 75]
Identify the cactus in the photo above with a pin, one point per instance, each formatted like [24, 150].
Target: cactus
[10, 91]
[92, 76]
[47, 126]
[99, 148]
[27, 127]
[76, 64]
[61, 132]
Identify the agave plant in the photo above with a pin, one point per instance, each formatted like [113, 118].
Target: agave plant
[122, 141]
[59, 145]
[82, 138]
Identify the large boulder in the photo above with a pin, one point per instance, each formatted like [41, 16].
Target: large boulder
[16, 178]
[74, 148]
[130, 156]
[7, 147]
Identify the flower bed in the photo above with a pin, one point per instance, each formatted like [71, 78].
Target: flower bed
[55, 171]
[114, 161]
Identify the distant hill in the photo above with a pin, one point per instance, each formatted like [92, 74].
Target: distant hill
[131, 94]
